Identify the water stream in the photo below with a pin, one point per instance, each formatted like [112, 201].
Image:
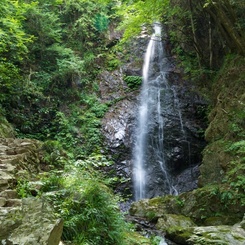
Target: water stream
[151, 174]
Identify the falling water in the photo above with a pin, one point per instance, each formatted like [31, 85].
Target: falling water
[149, 155]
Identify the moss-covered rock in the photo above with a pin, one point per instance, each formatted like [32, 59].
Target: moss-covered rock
[180, 235]
[204, 206]
[6, 129]
[225, 235]
[151, 208]
[27, 220]
[172, 222]
[37, 224]
[215, 161]
[187, 233]
[207, 235]
[226, 130]
[134, 238]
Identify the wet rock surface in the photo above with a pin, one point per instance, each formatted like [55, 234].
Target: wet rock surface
[183, 141]
[112, 86]
[148, 228]
[187, 179]
[118, 124]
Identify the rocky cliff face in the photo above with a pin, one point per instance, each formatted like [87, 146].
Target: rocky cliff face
[217, 208]
[118, 125]
[225, 132]
[24, 220]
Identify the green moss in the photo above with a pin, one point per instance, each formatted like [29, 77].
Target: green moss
[201, 205]
[6, 130]
[151, 215]
[180, 236]
[133, 238]
[224, 156]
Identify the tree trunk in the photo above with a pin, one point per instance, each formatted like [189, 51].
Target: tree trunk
[223, 13]
[194, 34]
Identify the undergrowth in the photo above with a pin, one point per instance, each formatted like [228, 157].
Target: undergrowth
[81, 196]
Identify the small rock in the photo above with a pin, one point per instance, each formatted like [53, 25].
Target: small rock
[13, 203]
[10, 194]
[2, 201]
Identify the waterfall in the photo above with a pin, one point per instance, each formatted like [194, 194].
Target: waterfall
[149, 158]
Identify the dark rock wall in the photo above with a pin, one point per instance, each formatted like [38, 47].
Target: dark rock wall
[118, 125]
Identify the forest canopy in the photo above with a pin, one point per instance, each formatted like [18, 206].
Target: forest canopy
[52, 54]
[50, 47]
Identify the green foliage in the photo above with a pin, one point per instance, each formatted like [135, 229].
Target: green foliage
[94, 161]
[236, 178]
[151, 215]
[237, 148]
[180, 202]
[85, 21]
[236, 125]
[64, 131]
[10, 81]
[67, 62]
[14, 40]
[89, 209]
[48, 51]
[112, 62]
[156, 240]
[13, 49]
[89, 123]
[138, 13]
[101, 22]
[23, 188]
[226, 197]
[239, 186]
[53, 181]
[93, 217]
[54, 153]
[133, 82]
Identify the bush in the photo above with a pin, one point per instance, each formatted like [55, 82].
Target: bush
[133, 82]
[92, 216]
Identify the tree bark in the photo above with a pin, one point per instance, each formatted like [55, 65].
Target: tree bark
[224, 14]
[194, 34]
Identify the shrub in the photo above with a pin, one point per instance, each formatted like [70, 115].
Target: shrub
[133, 82]
[92, 216]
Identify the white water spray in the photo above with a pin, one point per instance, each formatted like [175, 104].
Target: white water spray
[149, 150]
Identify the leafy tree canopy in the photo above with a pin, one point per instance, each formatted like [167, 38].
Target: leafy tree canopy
[13, 39]
[138, 12]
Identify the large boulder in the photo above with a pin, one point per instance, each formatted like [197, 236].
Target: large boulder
[32, 222]
[211, 205]
[207, 235]
[202, 216]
